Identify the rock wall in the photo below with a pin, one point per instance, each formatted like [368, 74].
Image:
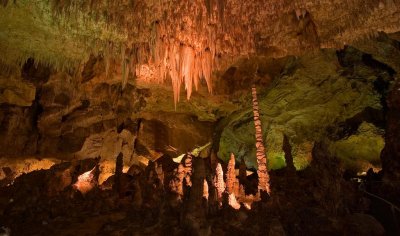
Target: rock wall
[318, 95]
[339, 95]
[86, 114]
[391, 153]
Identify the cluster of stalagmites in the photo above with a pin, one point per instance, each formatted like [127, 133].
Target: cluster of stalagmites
[194, 182]
[213, 184]
[189, 197]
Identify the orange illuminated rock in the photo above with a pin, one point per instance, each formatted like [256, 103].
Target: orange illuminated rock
[205, 190]
[262, 171]
[233, 202]
[86, 181]
[219, 181]
[231, 175]
[176, 184]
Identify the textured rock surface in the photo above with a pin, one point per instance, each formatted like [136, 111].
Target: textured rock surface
[16, 91]
[101, 79]
[361, 150]
[186, 41]
[314, 93]
[391, 152]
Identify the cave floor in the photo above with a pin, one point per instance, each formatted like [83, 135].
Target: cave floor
[299, 205]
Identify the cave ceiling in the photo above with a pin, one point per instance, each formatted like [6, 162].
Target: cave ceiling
[184, 41]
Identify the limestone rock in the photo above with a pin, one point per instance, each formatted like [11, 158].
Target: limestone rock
[302, 103]
[231, 175]
[17, 92]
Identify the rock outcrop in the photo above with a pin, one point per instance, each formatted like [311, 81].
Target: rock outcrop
[312, 99]
[391, 152]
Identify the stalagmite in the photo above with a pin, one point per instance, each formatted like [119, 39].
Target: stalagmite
[86, 181]
[194, 205]
[160, 173]
[176, 184]
[219, 181]
[233, 201]
[288, 155]
[118, 172]
[188, 168]
[242, 170]
[198, 178]
[205, 190]
[231, 175]
[262, 171]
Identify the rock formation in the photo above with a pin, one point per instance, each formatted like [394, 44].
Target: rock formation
[242, 170]
[231, 175]
[288, 156]
[262, 169]
[219, 182]
[187, 164]
[391, 153]
[87, 181]
[118, 173]
[156, 41]
[86, 79]
[194, 206]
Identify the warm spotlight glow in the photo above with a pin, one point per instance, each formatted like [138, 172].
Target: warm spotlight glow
[86, 181]
[248, 206]
[219, 181]
[233, 202]
[205, 190]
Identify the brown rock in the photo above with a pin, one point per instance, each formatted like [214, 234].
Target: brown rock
[391, 152]
[363, 225]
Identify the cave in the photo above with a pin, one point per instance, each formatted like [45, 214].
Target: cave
[201, 117]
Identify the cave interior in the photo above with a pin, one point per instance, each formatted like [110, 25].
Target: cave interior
[201, 117]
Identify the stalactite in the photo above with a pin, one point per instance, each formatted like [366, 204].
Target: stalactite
[123, 65]
[206, 64]
[187, 55]
[262, 170]
[185, 41]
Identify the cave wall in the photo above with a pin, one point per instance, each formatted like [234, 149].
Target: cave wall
[52, 113]
[335, 95]
[391, 153]
[87, 114]
[340, 95]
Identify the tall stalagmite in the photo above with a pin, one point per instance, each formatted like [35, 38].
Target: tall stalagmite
[231, 175]
[119, 164]
[219, 181]
[262, 171]
[291, 169]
